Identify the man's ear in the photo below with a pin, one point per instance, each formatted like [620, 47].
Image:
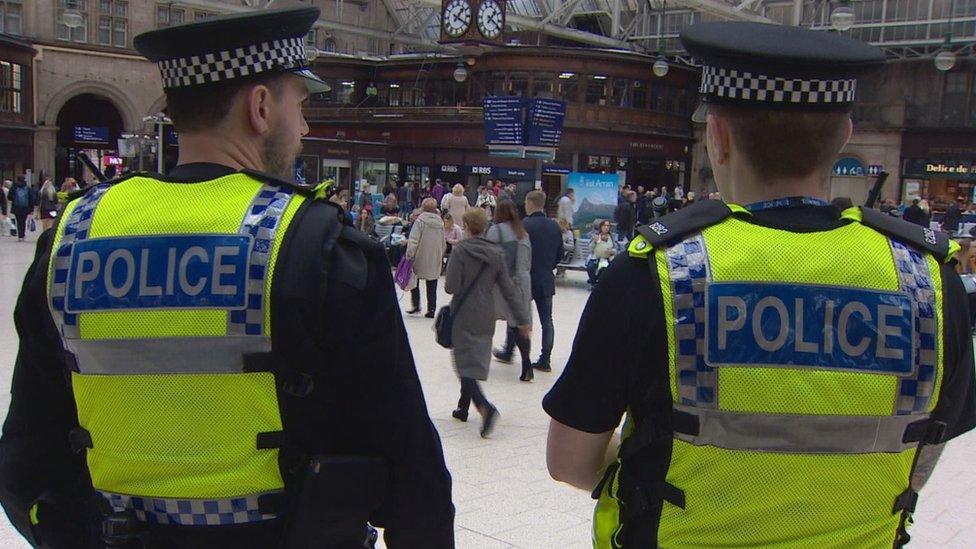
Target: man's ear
[717, 138]
[258, 104]
[849, 132]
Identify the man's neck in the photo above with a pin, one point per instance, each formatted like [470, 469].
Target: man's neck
[214, 149]
[748, 187]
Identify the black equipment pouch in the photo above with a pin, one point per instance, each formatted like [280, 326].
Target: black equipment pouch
[338, 495]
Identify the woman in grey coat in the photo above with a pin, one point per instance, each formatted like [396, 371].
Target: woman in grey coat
[508, 233]
[478, 264]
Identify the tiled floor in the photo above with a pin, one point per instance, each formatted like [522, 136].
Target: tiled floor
[504, 496]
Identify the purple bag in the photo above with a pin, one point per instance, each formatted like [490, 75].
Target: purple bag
[403, 271]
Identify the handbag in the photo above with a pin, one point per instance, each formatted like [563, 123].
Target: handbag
[403, 271]
[444, 321]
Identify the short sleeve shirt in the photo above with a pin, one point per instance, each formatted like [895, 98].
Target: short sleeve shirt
[619, 356]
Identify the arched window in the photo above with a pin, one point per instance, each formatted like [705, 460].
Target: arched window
[330, 45]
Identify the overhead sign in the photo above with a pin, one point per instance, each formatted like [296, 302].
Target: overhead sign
[555, 170]
[504, 123]
[849, 166]
[940, 169]
[544, 122]
[875, 169]
[95, 135]
[516, 174]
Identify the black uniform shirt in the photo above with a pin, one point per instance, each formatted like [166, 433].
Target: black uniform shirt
[368, 400]
[620, 352]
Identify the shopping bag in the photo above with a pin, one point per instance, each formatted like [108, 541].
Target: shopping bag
[403, 271]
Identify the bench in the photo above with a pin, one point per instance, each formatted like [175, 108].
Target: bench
[581, 251]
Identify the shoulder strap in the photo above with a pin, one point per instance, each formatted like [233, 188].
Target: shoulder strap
[464, 294]
[270, 179]
[674, 226]
[935, 242]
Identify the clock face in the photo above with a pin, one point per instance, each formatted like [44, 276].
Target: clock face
[491, 19]
[456, 18]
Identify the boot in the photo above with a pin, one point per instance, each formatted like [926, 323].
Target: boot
[526, 372]
[501, 356]
[543, 364]
[488, 421]
[460, 414]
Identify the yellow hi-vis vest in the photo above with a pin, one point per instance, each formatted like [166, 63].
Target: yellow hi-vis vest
[803, 368]
[160, 291]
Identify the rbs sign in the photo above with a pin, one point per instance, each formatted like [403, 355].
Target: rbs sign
[157, 272]
[818, 326]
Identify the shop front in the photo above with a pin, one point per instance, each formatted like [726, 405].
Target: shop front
[939, 166]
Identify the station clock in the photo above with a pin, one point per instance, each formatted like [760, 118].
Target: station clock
[473, 21]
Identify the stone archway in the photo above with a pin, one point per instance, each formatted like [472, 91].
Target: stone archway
[131, 117]
[157, 106]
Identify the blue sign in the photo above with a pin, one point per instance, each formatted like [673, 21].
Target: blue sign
[504, 124]
[156, 272]
[516, 174]
[544, 123]
[172, 138]
[96, 135]
[555, 170]
[823, 327]
[875, 169]
[849, 166]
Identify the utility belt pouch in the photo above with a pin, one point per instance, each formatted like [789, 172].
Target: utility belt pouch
[337, 496]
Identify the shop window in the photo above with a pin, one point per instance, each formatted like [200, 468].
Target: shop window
[596, 90]
[11, 12]
[639, 90]
[201, 15]
[374, 172]
[11, 87]
[345, 92]
[620, 96]
[542, 84]
[312, 38]
[64, 32]
[494, 83]
[567, 87]
[167, 15]
[113, 22]
[393, 94]
[656, 94]
[954, 97]
[518, 84]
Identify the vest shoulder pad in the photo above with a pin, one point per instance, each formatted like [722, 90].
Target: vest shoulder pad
[691, 219]
[935, 242]
[303, 190]
[82, 192]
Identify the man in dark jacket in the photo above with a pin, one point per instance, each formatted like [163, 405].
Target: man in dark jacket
[626, 216]
[952, 217]
[915, 214]
[22, 199]
[547, 249]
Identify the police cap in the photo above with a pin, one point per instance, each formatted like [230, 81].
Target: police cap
[233, 47]
[756, 65]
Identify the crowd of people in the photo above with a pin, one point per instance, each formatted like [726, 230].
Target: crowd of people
[21, 203]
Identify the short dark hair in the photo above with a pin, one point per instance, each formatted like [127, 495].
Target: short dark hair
[198, 107]
[811, 140]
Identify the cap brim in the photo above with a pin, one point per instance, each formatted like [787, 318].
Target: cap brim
[313, 83]
[700, 116]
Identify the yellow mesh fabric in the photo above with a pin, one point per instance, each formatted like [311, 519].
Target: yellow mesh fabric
[852, 256]
[58, 234]
[937, 279]
[145, 206]
[285, 220]
[819, 501]
[148, 440]
[664, 276]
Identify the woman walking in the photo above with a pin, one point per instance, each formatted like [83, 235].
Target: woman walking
[457, 204]
[476, 267]
[508, 233]
[425, 248]
[47, 204]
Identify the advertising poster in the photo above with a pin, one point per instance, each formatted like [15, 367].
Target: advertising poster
[596, 197]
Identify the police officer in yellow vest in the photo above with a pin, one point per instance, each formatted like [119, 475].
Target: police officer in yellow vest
[214, 358]
[789, 372]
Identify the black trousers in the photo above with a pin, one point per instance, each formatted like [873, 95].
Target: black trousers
[471, 390]
[21, 221]
[524, 344]
[431, 295]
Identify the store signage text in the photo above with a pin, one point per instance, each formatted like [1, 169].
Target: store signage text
[961, 169]
[449, 169]
[481, 170]
[643, 145]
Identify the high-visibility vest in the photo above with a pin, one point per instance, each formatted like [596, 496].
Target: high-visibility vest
[803, 368]
[160, 292]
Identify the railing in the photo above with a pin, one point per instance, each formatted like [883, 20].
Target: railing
[578, 116]
[880, 115]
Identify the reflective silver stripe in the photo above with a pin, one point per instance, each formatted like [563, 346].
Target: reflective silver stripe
[177, 355]
[803, 434]
[190, 512]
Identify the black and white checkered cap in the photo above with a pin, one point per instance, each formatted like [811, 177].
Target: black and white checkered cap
[276, 55]
[733, 84]
[232, 46]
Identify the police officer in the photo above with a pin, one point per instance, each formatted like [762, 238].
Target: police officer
[215, 357]
[789, 371]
